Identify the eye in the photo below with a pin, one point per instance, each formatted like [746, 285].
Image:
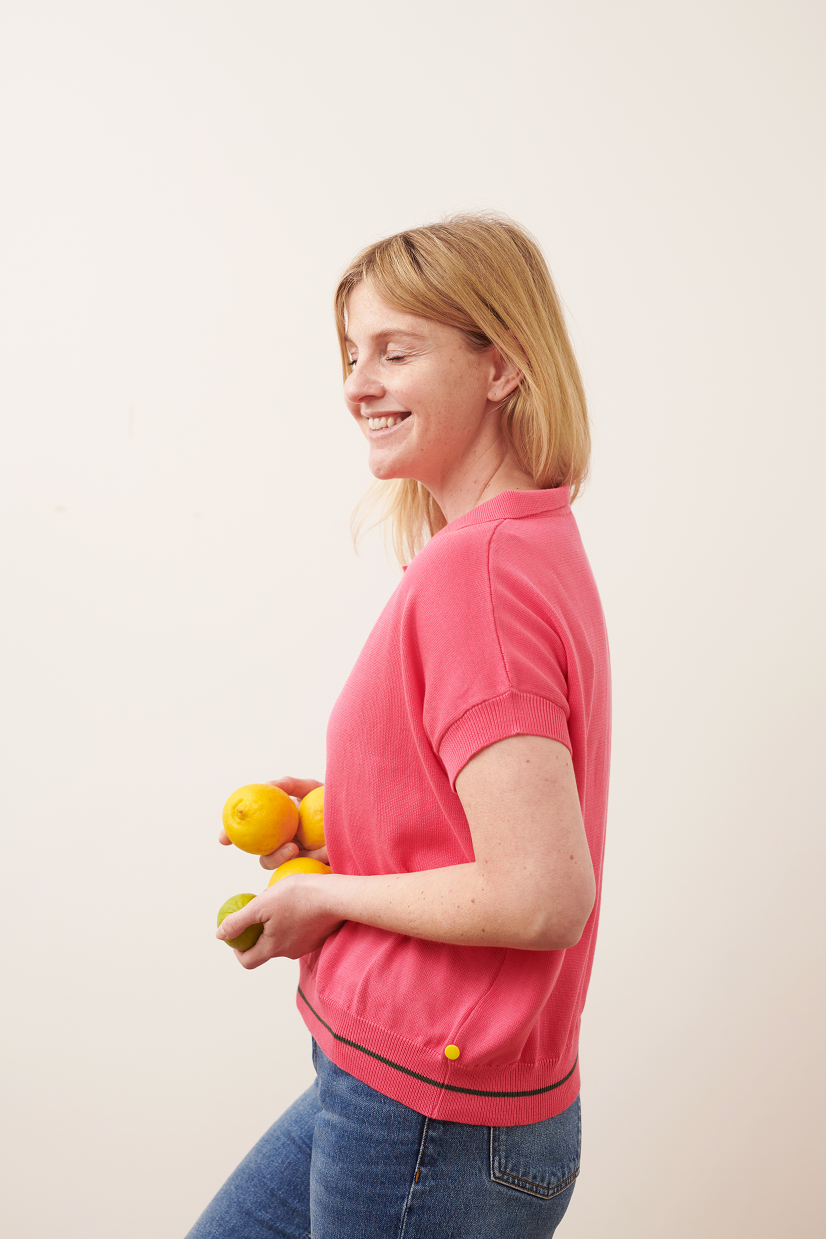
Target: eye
[394, 357]
[351, 361]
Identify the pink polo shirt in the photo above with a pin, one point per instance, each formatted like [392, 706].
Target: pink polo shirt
[495, 630]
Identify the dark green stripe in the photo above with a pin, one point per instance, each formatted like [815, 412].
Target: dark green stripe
[451, 1088]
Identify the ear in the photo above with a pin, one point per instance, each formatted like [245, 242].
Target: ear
[506, 377]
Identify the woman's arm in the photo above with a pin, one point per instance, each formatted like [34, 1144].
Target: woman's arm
[531, 885]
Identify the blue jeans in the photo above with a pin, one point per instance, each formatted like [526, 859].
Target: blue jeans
[346, 1162]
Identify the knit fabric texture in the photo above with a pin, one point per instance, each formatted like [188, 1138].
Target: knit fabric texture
[495, 630]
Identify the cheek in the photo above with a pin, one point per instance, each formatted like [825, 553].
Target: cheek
[465, 386]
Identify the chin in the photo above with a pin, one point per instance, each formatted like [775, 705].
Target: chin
[385, 475]
[385, 470]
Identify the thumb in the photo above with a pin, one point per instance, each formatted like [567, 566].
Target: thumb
[234, 924]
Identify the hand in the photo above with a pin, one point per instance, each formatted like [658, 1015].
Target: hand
[288, 851]
[296, 914]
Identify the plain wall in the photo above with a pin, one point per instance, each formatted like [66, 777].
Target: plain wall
[182, 183]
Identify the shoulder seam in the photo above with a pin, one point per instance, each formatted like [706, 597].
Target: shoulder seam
[493, 608]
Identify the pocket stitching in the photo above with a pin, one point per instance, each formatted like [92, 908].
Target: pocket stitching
[514, 1181]
[535, 1189]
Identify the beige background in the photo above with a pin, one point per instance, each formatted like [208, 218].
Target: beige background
[182, 183]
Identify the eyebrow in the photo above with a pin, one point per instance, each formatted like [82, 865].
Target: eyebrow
[393, 333]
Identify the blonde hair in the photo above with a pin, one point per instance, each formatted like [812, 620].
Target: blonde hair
[486, 276]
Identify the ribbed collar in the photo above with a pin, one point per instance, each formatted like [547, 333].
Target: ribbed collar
[512, 503]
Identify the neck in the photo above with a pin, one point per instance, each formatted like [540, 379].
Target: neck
[480, 485]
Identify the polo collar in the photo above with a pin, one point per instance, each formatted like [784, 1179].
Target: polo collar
[512, 504]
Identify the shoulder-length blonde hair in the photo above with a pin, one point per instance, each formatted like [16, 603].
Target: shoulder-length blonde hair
[486, 276]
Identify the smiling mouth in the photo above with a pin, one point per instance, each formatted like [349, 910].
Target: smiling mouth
[377, 425]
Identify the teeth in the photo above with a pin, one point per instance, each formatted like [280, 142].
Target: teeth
[382, 423]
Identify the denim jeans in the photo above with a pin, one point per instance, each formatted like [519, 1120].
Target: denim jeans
[346, 1162]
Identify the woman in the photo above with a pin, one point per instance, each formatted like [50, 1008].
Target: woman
[444, 962]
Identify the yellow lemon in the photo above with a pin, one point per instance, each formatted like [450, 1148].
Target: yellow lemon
[301, 864]
[251, 934]
[310, 832]
[259, 818]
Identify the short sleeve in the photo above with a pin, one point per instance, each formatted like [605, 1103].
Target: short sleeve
[491, 659]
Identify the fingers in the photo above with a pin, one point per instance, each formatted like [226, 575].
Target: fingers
[254, 913]
[318, 854]
[234, 924]
[256, 955]
[295, 787]
[287, 851]
[254, 962]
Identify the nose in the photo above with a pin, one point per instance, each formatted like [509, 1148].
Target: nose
[363, 384]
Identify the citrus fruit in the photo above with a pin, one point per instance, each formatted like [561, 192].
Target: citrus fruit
[300, 864]
[258, 818]
[251, 934]
[310, 832]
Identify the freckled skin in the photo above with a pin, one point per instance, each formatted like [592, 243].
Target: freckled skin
[451, 443]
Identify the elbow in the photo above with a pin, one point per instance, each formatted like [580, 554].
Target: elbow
[564, 923]
[565, 934]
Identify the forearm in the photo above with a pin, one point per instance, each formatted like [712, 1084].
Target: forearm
[530, 887]
[457, 905]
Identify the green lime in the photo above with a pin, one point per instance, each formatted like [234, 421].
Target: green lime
[251, 934]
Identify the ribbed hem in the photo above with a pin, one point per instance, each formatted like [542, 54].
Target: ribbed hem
[512, 714]
[432, 1084]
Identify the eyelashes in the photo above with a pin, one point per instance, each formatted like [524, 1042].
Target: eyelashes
[351, 361]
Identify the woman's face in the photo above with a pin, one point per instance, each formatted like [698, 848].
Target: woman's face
[423, 398]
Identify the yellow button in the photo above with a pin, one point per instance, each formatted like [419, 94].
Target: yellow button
[452, 1051]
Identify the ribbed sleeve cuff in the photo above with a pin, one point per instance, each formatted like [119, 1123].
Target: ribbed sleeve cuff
[512, 714]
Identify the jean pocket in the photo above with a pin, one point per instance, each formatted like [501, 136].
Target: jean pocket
[541, 1159]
